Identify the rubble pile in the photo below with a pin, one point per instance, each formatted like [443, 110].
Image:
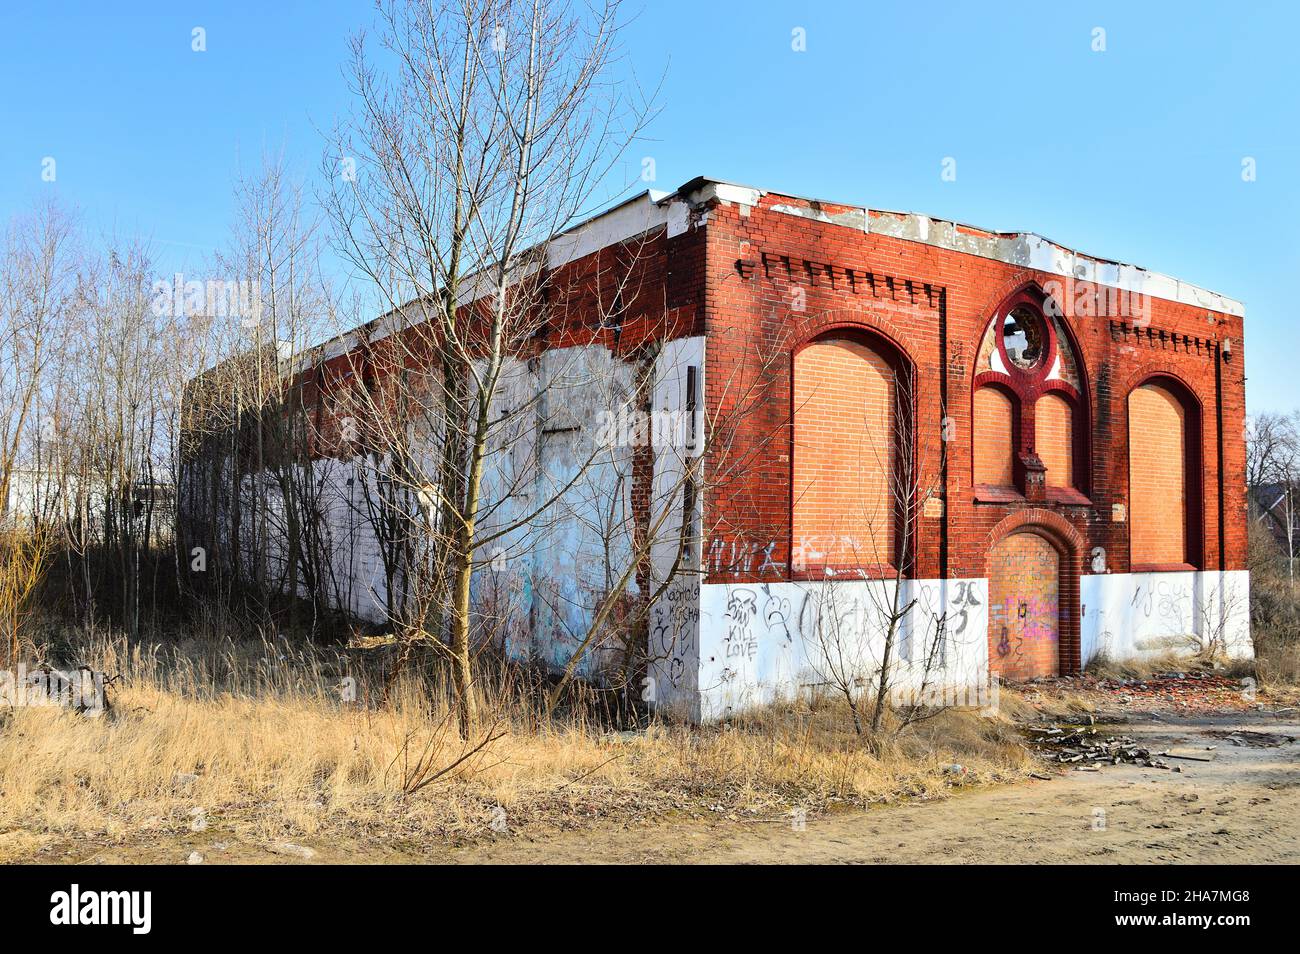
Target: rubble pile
[1085, 748]
[1164, 691]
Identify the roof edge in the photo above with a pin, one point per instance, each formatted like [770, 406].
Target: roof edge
[1025, 249]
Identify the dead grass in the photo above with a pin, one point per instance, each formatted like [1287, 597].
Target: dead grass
[1104, 667]
[1276, 668]
[255, 738]
[1025, 704]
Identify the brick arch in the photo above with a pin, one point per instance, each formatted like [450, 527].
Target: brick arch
[1049, 522]
[862, 323]
[1147, 372]
[1071, 548]
[1013, 286]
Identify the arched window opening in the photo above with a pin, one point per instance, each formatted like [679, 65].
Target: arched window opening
[1023, 338]
[1164, 478]
[1029, 407]
[846, 446]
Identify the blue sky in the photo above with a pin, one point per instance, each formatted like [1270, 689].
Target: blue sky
[1134, 153]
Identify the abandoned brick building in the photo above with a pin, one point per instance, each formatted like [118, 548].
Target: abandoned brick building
[1068, 431]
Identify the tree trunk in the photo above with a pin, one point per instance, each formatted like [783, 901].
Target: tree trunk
[882, 687]
[462, 673]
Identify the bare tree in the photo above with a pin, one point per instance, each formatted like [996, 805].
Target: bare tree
[1273, 474]
[490, 126]
[37, 266]
[900, 474]
[38, 259]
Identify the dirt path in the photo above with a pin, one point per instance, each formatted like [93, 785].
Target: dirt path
[1241, 807]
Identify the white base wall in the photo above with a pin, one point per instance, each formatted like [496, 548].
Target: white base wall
[718, 649]
[758, 643]
[1135, 615]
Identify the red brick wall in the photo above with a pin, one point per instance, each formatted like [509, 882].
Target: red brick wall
[657, 282]
[1054, 438]
[1024, 607]
[774, 281]
[843, 453]
[992, 442]
[1157, 514]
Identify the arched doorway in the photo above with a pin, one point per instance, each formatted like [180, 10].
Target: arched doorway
[1025, 606]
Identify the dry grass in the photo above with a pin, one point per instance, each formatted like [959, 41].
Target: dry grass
[256, 740]
[1276, 667]
[1278, 670]
[1279, 665]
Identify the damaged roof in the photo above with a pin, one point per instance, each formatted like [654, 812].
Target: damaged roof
[1024, 249]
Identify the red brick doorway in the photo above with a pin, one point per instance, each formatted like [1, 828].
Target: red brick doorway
[1024, 607]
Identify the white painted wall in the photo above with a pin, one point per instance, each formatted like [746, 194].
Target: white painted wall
[539, 583]
[1131, 615]
[674, 625]
[346, 493]
[571, 493]
[764, 642]
[733, 646]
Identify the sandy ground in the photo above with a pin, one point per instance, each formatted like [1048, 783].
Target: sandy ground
[1243, 806]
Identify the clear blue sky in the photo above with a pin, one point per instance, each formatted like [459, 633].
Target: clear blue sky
[1134, 153]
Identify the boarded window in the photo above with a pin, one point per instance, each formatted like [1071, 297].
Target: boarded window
[1054, 438]
[844, 453]
[992, 438]
[1157, 439]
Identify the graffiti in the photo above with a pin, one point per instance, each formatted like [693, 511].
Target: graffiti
[736, 558]
[832, 618]
[776, 613]
[1035, 617]
[962, 604]
[740, 641]
[765, 640]
[739, 558]
[1166, 599]
[1006, 649]
[674, 623]
[927, 612]
[778, 569]
[804, 554]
